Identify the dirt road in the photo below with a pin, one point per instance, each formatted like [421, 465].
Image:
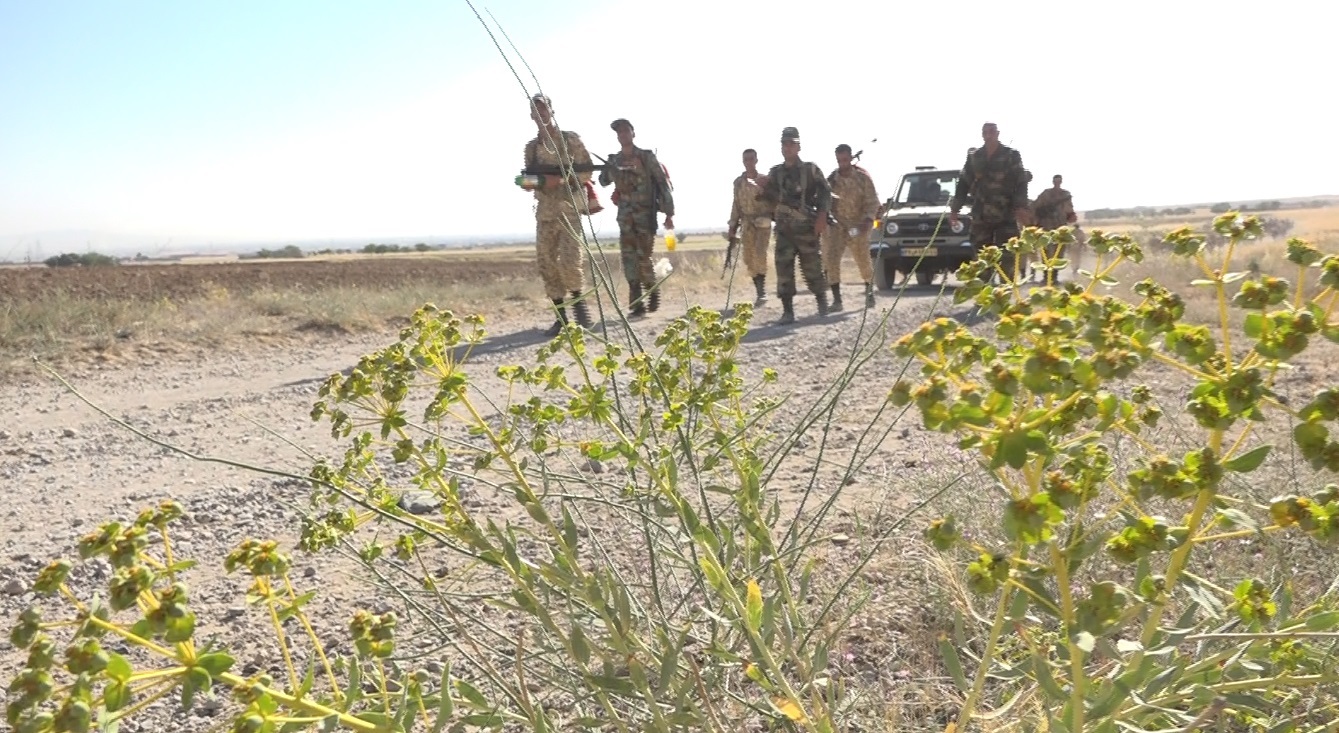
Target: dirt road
[68, 468]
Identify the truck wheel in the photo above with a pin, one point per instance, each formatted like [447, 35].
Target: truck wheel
[925, 277]
[881, 279]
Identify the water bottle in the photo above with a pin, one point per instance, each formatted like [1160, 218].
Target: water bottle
[670, 240]
[529, 183]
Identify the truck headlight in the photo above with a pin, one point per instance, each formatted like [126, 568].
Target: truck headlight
[957, 226]
[891, 228]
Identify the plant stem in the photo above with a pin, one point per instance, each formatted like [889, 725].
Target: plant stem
[1061, 564]
[1177, 562]
[979, 683]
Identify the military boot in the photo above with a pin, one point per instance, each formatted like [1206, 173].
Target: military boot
[655, 299]
[823, 308]
[787, 310]
[582, 312]
[636, 305]
[836, 298]
[760, 284]
[558, 324]
[869, 295]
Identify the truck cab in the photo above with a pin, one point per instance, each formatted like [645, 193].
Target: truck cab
[913, 234]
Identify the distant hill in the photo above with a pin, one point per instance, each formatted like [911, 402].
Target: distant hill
[1216, 207]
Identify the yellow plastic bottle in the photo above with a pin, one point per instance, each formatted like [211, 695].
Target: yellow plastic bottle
[670, 240]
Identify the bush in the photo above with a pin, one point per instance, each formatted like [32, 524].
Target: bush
[712, 618]
[290, 251]
[1105, 616]
[88, 259]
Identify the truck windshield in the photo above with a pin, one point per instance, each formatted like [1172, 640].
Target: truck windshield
[932, 188]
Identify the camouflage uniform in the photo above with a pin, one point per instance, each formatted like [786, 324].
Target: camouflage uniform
[855, 201]
[558, 224]
[1053, 209]
[998, 186]
[642, 190]
[800, 194]
[751, 217]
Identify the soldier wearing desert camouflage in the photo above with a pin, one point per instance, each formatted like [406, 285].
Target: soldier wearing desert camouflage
[557, 218]
[855, 206]
[751, 220]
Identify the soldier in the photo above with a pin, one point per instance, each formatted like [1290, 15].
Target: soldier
[751, 218]
[1053, 209]
[993, 174]
[641, 189]
[802, 200]
[557, 216]
[856, 206]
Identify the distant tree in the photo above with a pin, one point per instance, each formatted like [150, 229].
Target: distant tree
[1222, 208]
[87, 259]
[291, 251]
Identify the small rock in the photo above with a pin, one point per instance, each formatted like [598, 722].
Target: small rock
[594, 466]
[14, 587]
[419, 502]
[5, 435]
[68, 433]
[840, 540]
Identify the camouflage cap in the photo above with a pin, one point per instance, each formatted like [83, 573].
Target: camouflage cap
[620, 121]
[790, 135]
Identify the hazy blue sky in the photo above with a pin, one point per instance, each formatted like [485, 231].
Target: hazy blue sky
[299, 120]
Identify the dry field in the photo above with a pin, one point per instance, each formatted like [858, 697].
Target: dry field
[78, 316]
[224, 360]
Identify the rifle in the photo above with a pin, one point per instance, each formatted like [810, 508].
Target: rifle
[730, 251]
[532, 176]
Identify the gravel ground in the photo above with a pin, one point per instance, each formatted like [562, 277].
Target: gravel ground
[68, 469]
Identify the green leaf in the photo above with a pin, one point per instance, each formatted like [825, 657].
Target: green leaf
[215, 664]
[1255, 324]
[1238, 518]
[472, 695]
[446, 707]
[116, 695]
[118, 667]
[579, 646]
[1012, 450]
[954, 666]
[1041, 670]
[1249, 461]
[618, 685]
[354, 691]
[1323, 621]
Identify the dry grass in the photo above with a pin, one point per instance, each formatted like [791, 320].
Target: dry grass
[71, 316]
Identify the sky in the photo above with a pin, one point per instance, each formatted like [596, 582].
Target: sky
[157, 124]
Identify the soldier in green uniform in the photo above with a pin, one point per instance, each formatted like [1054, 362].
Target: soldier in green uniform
[641, 189]
[994, 177]
[802, 198]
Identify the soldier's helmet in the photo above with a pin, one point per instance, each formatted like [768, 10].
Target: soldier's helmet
[790, 135]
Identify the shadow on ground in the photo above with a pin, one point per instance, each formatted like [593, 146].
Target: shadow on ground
[763, 328]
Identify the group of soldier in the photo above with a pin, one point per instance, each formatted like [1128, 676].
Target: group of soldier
[817, 218]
